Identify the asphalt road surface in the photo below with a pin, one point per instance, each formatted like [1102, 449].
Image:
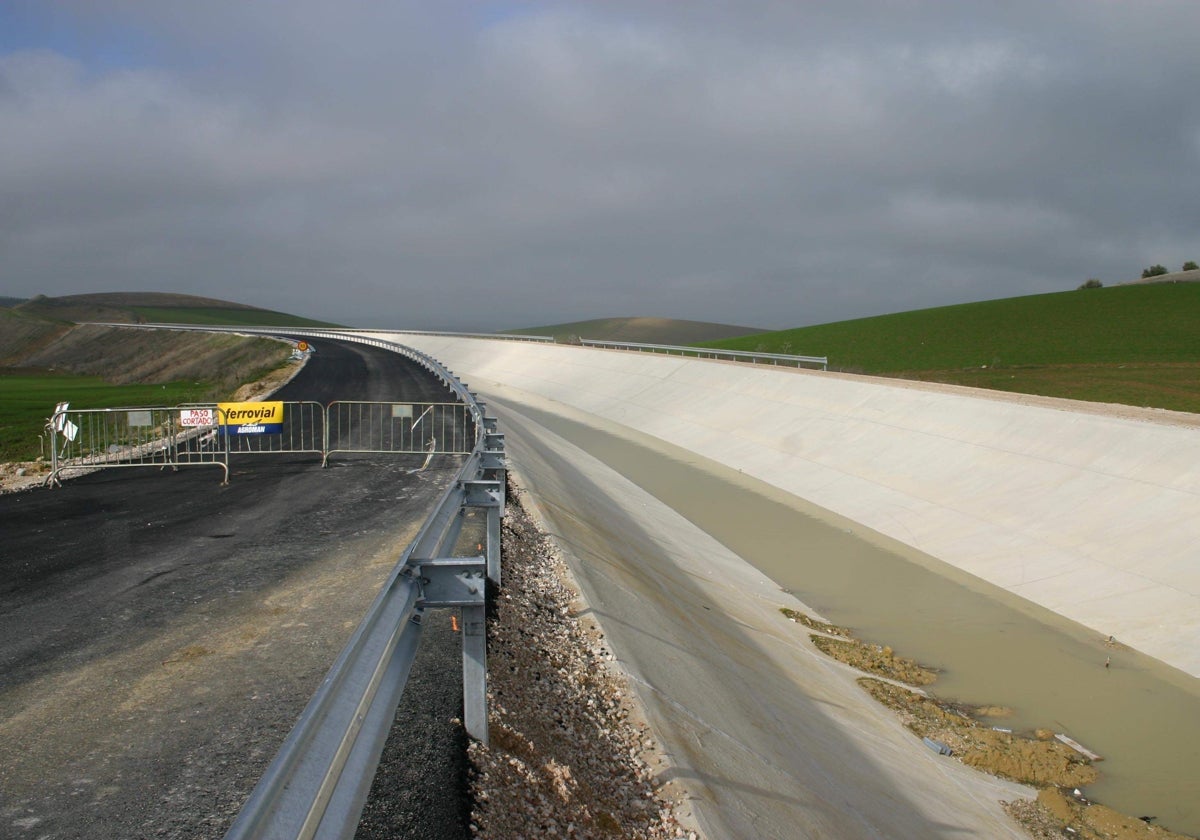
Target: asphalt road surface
[161, 633]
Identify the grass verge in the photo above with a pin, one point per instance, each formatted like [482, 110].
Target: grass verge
[28, 397]
[1134, 345]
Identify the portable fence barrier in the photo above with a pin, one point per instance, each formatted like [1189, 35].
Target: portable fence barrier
[155, 436]
[298, 427]
[209, 434]
[416, 428]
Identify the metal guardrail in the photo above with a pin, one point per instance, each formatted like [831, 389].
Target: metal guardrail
[324, 332]
[318, 782]
[709, 353]
[541, 339]
[753, 357]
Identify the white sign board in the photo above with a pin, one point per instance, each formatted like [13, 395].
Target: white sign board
[193, 417]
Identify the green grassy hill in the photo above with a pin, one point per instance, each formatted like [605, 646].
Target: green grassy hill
[1137, 344]
[641, 330]
[158, 307]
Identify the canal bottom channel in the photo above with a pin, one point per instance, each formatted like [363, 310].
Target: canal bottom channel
[990, 646]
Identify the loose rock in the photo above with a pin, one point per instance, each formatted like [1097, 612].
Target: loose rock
[566, 756]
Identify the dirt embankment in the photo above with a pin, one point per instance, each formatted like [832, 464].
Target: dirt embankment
[123, 356]
[956, 730]
[21, 335]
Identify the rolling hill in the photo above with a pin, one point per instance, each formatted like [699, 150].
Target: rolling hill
[641, 330]
[155, 307]
[1135, 344]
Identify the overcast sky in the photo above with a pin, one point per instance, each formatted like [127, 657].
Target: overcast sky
[444, 165]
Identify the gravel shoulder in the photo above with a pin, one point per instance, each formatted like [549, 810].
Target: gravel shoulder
[571, 754]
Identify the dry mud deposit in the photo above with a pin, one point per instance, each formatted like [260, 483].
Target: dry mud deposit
[1038, 759]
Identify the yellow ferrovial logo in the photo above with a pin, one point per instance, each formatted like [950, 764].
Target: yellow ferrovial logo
[251, 418]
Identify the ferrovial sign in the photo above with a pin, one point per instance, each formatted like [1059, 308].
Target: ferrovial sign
[257, 418]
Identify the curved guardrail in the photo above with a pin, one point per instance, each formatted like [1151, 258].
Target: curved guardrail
[318, 782]
[754, 357]
[709, 353]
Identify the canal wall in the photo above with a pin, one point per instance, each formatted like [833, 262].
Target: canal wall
[1093, 515]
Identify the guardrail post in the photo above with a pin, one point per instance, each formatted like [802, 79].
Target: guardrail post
[488, 494]
[474, 634]
[461, 582]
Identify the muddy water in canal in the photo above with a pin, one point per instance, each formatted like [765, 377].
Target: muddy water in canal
[991, 647]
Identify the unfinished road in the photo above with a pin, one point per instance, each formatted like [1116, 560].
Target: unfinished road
[160, 633]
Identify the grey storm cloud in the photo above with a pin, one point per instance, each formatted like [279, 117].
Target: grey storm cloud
[492, 165]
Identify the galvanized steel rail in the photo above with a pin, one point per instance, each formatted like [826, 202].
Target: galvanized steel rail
[318, 783]
[709, 353]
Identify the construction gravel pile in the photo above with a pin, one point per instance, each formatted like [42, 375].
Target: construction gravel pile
[569, 755]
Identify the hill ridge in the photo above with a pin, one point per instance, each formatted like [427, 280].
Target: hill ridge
[642, 329]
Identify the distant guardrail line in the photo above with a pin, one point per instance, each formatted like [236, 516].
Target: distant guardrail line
[752, 356]
[709, 352]
[280, 330]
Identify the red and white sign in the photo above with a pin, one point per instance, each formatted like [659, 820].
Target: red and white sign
[191, 417]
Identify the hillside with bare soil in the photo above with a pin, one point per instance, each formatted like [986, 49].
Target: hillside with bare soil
[124, 356]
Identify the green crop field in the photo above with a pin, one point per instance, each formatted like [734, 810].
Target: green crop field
[228, 317]
[1136, 345]
[27, 398]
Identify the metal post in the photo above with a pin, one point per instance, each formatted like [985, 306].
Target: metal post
[53, 481]
[461, 582]
[474, 635]
[493, 545]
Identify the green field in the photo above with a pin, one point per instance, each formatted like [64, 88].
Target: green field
[1137, 345]
[27, 398]
[222, 316]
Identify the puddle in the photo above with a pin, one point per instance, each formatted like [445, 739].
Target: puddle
[991, 646]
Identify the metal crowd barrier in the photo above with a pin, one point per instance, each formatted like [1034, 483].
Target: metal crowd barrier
[361, 426]
[302, 430]
[154, 436]
[171, 436]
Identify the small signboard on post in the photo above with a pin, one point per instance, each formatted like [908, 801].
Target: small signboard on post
[191, 418]
[61, 424]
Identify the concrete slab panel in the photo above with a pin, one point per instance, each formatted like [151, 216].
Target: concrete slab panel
[1083, 503]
